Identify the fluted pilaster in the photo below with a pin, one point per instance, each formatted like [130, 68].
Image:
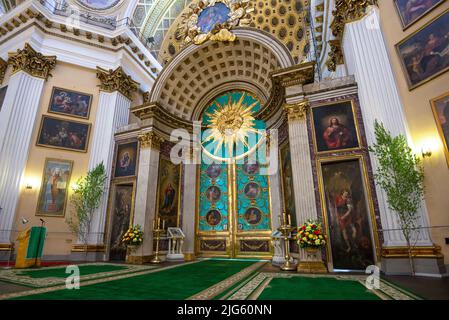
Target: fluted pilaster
[367, 58]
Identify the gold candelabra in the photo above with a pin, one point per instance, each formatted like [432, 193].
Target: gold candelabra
[285, 227]
[157, 232]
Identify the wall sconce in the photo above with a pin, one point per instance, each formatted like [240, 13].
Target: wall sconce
[426, 152]
[31, 183]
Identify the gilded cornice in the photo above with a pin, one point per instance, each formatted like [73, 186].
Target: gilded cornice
[32, 62]
[150, 140]
[153, 110]
[346, 11]
[297, 111]
[300, 74]
[117, 80]
[3, 67]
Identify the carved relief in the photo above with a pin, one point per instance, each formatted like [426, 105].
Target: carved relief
[3, 67]
[150, 140]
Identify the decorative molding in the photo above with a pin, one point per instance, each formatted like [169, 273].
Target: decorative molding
[32, 62]
[335, 55]
[88, 248]
[297, 111]
[3, 67]
[150, 140]
[300, 74]
[417, 252]
[153, 110]
[117, 80]
[6, 246]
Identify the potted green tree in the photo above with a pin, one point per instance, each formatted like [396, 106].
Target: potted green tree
[86, 198]
[400, 174]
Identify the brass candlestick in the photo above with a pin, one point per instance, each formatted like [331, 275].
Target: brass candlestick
[285, 228]
[157, 232]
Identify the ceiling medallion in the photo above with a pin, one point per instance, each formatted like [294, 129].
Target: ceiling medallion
[213, 20]
[98, 4]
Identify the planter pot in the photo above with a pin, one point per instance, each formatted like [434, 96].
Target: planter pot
[312, 261]
[130, 254]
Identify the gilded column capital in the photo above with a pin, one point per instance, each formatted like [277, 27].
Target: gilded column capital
[3, 67]
[117, 80]
[32, 62]
[297, 111]
[150, 140]
[348, 11]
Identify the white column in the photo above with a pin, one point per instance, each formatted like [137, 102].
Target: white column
[276, 198]
[189, 207]
[367, 59]
[305, 202]
[146, 195]
[17, 121]
[112, 113]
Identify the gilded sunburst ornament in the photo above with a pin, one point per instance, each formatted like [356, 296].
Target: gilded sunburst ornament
[231, 124]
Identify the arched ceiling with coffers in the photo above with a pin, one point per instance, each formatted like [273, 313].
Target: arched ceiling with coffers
[214, 67]
[287, 20]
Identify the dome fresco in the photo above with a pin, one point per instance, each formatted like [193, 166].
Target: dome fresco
[98, 4]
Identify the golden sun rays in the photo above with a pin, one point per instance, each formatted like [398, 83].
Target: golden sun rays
[230, 124]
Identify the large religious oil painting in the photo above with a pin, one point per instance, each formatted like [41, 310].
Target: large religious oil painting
[122, 209]
[212, 16]
[335, 127]
[62, 134]
[287, 181]
[440, 108]
[411, 11]
[54, 188]
[70, 103]
[2, 96]
[425, 53]
[169, 183]
[126, 160]
[348, 215]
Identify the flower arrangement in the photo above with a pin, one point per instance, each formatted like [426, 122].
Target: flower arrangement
[310, 235]
[133, 236]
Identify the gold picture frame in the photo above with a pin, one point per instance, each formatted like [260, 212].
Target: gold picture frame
[46, 117]
[405, 25]
[89, 107]
[436, 114]
[354, 119]
[179, 190]
[44, 182]
[368, 195]
[412, 85]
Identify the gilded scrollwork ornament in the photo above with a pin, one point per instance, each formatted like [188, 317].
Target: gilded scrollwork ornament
[150, 140]
[117, 80]
[213, 20]
[335, 55]
[32, 62]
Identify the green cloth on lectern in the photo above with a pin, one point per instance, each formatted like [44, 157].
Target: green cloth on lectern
[36, 243]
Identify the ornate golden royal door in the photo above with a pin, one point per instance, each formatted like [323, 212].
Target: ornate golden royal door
[233, 211]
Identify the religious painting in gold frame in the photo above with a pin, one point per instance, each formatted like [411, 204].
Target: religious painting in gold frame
[169, 192]
[440, 109]
[410, 11]
[288, 192]
[335, 127]
[424, 54]
[121, 204]
[348, 212]
[126, 159]
[54, 189]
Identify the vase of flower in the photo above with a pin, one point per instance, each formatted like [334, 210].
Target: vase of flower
[133, 238]
[311, 239]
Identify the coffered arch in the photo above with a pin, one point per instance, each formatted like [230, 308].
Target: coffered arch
[195, 72]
